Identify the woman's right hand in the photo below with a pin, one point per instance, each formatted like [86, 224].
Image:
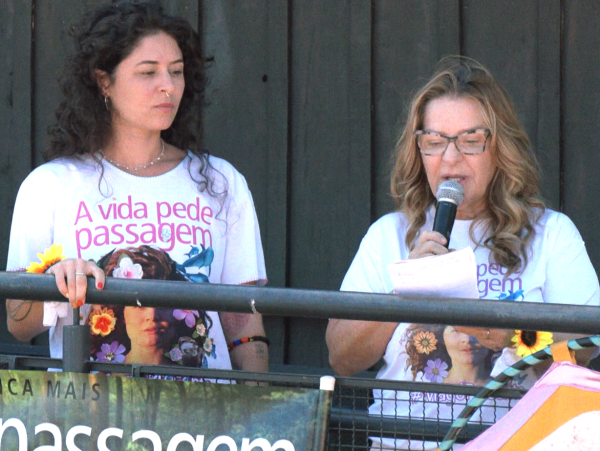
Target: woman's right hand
[430, 243]
[71, 278]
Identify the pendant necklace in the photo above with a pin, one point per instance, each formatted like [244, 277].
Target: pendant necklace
[138, 167]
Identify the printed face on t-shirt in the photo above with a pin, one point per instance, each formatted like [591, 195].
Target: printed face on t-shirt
[463, 349]
[153, 336]
[149, 327]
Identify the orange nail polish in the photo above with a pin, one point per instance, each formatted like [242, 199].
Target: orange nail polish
[79, 303]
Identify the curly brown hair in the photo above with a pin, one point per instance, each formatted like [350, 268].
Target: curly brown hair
[102, 39]
[513, 197]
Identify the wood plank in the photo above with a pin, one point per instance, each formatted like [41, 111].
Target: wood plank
[330, 87]
[274, 201]
[409, 38]
[188, 9]
[245, 119]
[331, 158]
[519, 43]
[548, 130]
[274, 227]
[581, 116]
[52, 44]
[15, 109]
[15, 119]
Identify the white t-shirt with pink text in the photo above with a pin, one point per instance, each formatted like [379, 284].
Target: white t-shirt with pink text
[91, 213]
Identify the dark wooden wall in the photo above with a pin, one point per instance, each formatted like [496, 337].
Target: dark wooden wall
[306, 97]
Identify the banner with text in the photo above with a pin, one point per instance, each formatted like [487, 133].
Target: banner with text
[76, 412]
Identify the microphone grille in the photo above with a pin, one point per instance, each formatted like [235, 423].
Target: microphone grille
[450, 191]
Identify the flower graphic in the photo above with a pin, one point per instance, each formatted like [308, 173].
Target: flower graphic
[111, 352]
[188, 315]
[102, 322]
[425, 342]
[48, 258]
[435, 371]
[528, 342]
[208, 346]
[175, 354]
[128, 270]
[200, 330]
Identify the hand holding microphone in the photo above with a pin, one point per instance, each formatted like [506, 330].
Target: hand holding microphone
[449, 196]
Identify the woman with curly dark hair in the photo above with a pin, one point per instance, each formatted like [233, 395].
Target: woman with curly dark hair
[124, 169]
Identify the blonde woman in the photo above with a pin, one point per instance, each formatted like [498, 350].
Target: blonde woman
[462, 126]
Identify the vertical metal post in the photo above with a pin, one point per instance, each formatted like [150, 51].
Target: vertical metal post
[76, 346]
[326, 387]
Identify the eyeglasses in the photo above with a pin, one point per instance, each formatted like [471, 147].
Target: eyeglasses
[471, 142]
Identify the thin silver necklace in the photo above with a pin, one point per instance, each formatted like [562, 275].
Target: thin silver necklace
[139, 166]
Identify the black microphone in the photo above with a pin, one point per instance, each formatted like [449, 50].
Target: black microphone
[449, 196]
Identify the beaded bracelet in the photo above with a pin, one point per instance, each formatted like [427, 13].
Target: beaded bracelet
[248, 340]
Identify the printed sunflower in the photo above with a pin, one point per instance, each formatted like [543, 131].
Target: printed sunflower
[529, 342]
[102, 322]
[435, 371]
[48, 258]
[425, 342]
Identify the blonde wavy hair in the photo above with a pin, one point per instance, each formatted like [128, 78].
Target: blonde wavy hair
[513, 202]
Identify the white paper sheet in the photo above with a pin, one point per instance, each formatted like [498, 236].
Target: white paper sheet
[450, 275]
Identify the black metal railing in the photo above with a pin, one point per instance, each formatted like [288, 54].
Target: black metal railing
[318, 303]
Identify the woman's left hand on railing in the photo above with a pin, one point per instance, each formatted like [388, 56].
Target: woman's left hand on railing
[71, 278]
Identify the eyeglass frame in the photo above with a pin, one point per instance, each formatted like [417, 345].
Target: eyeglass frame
[453, 139]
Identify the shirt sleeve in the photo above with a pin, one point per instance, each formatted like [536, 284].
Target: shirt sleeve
[367, 272]
[32, 228]
[244, 261]
[32, 231]
[570, 276]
